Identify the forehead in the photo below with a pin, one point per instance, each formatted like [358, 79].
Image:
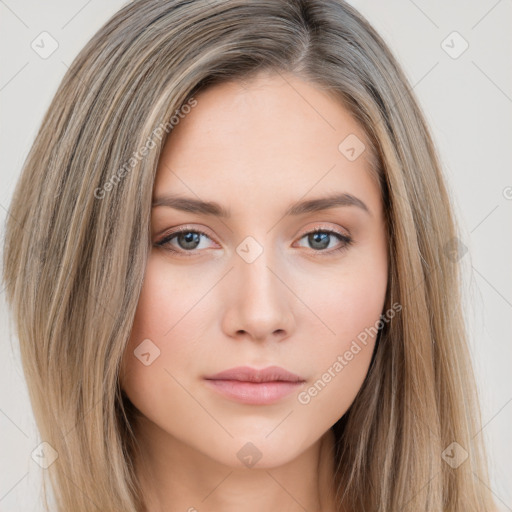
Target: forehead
[242, 143]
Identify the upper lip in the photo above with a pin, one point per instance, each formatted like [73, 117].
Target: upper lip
[248, 374]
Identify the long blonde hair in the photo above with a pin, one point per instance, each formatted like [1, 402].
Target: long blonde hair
[78, 237]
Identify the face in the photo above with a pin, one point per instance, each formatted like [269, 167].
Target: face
[258, 286]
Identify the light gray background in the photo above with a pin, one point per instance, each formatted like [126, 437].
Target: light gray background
[468, 104]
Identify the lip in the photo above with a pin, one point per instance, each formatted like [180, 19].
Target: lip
[248, 374]
[252, 386]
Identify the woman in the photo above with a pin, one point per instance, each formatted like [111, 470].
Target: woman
[232, 261]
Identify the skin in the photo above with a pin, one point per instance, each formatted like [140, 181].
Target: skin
[256, 149]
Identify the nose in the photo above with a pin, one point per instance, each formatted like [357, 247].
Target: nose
[259, 303]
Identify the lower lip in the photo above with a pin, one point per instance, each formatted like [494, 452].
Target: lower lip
[255, 393]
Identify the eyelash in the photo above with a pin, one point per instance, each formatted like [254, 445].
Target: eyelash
[346, 241]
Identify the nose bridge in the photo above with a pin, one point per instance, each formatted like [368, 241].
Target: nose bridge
[260, 304]
[257, 278]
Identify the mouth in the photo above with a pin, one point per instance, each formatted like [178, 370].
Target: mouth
[256, 387]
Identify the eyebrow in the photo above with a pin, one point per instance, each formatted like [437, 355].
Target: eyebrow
[188, 204]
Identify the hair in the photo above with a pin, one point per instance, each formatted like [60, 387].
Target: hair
[78, 238]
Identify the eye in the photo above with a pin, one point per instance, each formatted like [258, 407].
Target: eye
[187, 240]
[320, 239]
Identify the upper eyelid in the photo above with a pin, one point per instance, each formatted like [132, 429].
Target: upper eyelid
[323, 227]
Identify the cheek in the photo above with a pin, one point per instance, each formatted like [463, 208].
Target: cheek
[350, 305]
[161, 316]
[348, 297]
[355, 305]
